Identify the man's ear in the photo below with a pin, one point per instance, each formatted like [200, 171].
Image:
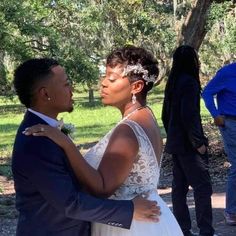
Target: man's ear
[43, 94]
[137, 86]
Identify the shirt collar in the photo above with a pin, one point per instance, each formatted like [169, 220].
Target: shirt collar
[52, 122]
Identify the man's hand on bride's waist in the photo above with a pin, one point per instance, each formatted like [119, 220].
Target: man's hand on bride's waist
[146, 210]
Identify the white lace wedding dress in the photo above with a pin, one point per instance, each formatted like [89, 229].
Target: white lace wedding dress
[143, 178]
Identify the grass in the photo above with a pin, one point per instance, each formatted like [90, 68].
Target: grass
[91, 122]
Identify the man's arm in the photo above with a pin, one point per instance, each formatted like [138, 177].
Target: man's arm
[212, 88]
[165, 113]
[48, 173]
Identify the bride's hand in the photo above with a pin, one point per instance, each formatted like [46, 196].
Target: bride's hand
[48, 131]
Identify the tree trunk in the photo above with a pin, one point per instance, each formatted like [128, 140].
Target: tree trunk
[193, 30]
[2, 73]
[2, 67]
[91, 96]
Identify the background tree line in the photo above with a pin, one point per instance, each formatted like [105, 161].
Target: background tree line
[80, 33]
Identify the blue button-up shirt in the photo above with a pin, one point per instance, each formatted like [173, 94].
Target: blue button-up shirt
[223, 86]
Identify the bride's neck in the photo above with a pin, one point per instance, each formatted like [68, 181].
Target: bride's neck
[131, 107]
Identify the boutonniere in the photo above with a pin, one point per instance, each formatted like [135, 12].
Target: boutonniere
[66, 128]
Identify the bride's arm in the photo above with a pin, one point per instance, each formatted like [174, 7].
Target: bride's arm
[116, 163]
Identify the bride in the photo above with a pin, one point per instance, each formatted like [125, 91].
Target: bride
[126, 161]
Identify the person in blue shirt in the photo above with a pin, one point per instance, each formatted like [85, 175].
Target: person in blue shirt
[223, 88]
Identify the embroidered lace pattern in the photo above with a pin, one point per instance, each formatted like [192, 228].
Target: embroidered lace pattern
[144, 175]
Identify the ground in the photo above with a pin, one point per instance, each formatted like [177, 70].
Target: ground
[8, 214]
[218, 169]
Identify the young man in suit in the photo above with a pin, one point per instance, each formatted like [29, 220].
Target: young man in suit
[48, 197]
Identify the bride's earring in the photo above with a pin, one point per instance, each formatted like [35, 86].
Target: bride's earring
[49, 98]
[134, 99]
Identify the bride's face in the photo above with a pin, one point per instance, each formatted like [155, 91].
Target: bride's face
[115, 89]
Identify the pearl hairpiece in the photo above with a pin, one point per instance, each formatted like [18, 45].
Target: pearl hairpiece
[138, 69]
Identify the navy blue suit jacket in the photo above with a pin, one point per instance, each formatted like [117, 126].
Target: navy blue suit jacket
[48, 197]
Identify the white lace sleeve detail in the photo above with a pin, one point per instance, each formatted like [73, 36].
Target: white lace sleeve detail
[95, 154]
[144, 175]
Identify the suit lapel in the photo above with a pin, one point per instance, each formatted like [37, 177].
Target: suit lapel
[31, 119]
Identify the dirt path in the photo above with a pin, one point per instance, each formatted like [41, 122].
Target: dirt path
[218, 169]
[8, 214]
[218, 204]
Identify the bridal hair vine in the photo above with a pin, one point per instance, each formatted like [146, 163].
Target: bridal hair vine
[138, 69]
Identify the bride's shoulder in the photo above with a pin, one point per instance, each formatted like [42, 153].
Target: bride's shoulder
[129, 129]
[125, 130]
[134, 125]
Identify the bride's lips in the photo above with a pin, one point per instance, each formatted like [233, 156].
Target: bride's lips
[103, 94]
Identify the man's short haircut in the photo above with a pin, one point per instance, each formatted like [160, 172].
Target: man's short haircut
[29, 74]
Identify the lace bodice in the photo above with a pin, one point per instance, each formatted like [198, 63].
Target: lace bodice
[145, 172]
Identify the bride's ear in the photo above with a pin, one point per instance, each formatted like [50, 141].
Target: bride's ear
[137, 86]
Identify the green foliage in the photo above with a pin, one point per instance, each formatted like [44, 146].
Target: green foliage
[81, 33]
[23, 29]
[219, 46]
[217, 11]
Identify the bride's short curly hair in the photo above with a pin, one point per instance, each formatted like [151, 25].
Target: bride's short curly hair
[130, 55]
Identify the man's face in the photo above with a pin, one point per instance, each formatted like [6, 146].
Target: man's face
[60, 91]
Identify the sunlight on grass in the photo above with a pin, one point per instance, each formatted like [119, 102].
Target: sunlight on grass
[9, 123]
[91, 122]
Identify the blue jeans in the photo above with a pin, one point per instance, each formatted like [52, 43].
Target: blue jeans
[228, 133]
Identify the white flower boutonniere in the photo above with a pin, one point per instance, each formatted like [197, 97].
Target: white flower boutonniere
[66, 128]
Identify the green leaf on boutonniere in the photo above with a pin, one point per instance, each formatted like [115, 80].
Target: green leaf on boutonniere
[68, 129]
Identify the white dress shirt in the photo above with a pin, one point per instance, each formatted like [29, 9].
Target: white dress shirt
[52, 122]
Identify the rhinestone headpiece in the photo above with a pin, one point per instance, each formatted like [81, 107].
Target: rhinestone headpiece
[138, 69]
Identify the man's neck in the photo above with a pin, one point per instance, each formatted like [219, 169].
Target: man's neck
[45, 112]
[49, 120]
